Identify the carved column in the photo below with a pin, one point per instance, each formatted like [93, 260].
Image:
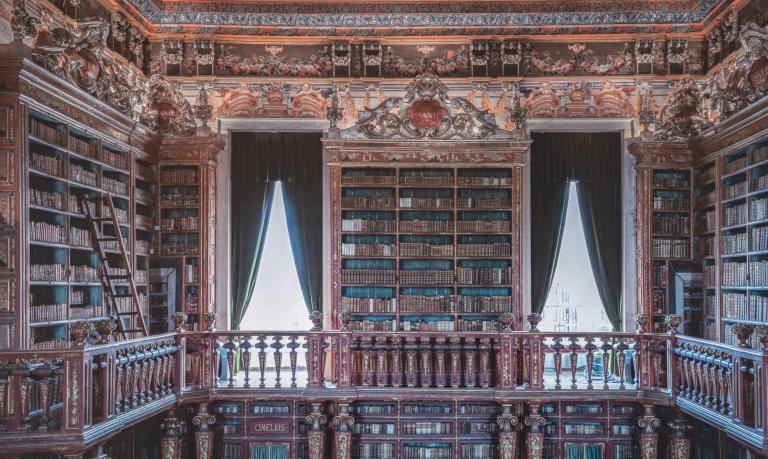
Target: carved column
[342, 435]
[680, 443]
[649, 438]
[204, 436]
[170, 443]
[534, 441]
[316, 434]
[507, 421]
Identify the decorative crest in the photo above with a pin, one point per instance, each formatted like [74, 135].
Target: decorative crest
[426, 112]
[166, 110]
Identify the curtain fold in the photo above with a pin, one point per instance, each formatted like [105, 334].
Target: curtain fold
[593, 160]
[258, 161]
[304, 214]
[549, 202]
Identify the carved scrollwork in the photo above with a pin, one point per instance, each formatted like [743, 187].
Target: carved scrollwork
[23, 24]
[166, 110]
[683, 115]
[425, 112]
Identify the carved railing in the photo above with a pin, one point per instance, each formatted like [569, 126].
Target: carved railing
[724, 383]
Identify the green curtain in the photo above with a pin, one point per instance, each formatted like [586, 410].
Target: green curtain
[593, 160]
[304, 214]
[251, 207]
[549, 202]
[258, 161]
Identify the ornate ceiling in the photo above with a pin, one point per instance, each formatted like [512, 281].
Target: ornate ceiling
[531, 14]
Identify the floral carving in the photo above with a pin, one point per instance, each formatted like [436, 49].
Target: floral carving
[683, 115]
[23, 24]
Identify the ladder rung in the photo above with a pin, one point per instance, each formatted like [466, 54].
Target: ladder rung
[136, 330]
[127, 313]
[122, 295]
[106, 238]
[118, 276]
[101, 219]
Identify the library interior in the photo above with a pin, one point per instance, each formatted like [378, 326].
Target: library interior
[457, 229]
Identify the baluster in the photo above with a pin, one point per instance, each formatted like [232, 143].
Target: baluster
[722, 384]
[261, 345]
[308, 359]
[728, 392]
[293, 356]
[697, 377]
[278, 358]
[380, 347]
[470, 368]
[590, 348]
[245, 357]
[621, 349]
[558, 359]
[42, 375]
[606, 348]
[410, 361]
[139, 377]
[131, 385]
[397, 364]
[684, 386]
[637, 347]
[120, 385]
[216, 360]
[5, 394]
[365, 355]
[425, 350]
[441, 373]
[455, 350]
[485, 362]
[712, 386]
[573, 358]
[355, 346]
[230, 347]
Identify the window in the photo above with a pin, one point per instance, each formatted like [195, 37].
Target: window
[573, 303]
[277, 303]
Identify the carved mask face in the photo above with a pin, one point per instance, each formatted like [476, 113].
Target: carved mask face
[90, 69]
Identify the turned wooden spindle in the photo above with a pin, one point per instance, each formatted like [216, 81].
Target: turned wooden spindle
[441, 370]
[455, 351]
[293, 356]
[485, 347]
[230, 346]
[470, 361]
[277, 357]
[557, 347]
[245, 354]
[410, 361]
[590, 349]
[621, 348]
[574, 347]
[606, 348]
[425, 352]
[397, 363]
[261, 345]
[364, 353]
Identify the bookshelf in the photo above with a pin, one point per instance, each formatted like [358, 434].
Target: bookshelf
[425, 248]
[665, 226]
[186, 213]
[67, 162]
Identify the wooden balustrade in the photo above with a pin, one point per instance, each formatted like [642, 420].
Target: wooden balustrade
[74, 390]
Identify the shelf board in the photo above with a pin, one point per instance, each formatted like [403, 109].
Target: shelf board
[743, 321]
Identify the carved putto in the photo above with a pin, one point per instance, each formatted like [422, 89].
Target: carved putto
[79, 56]
[166, 110]
[426, 112]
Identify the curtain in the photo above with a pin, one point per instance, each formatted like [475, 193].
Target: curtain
[593, 160]
[304, 213]
[258, 161]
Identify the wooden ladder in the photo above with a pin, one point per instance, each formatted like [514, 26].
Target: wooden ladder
[139, 325]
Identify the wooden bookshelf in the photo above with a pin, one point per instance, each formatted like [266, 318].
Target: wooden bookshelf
[186, 209]
[664, 220]
[424, 245]
[67, 162]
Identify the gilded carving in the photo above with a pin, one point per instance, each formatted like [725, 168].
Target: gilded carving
[23, 24]
[166, 110]
[683, 114]
[543, 102]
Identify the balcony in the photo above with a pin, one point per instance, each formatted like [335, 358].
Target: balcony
[80, 396]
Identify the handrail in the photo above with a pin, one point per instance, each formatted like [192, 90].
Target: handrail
[79, 389]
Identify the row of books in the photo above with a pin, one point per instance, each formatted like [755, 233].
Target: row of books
[659, 301]
[50, 134]
[706, 199]
[583, 428]
[496, 249]
[425, 303]
[706, 221]
[79, 174]
[484, 276]
[707, 246]
[735, 163]
[485, 203]
[258, 408]
[114, 186]
[363, 225]
[477, 325]
[418, 249]
[735, 215]
[416, 451]
[738, 305]
[427, 226]
[365, 408]
[371, 305]
[86, 312]
[478, 428]
[47, 312]
[759, 238]
[372, 325]
[758, 273]
[83, 273]
[179, 224]
[426, 276]
[706, 175]
[373, 428]
[735, 243]
[55, 343]
[51, 273]
[663, 179]
[115, 159]
[180, 176]
[143, 195]
[583, 408]
[760, 154]
[376, 450]
[120, 214]
[735, 190]
[50, 165]
[178, 200]
[758, 209]
[436, 326]
[760, 183]
[370, 276]
[370, 202]
[143, 247]
[671, 248]
[623, 430]
[484, 303]
[671, 202]
[371, 180]
[46, 199]
[426, 203]
[79, 237]
[478, 451]
[428, 409]
[672, 223]
[47, 232]
[144, 221]
[710, 275]
[426, 428]
[734, 273]
[369, 250]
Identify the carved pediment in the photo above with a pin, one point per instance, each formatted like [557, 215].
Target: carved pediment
[425, 112]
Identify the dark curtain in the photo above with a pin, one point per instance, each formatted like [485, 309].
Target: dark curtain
[593, 160]
[258, 161]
